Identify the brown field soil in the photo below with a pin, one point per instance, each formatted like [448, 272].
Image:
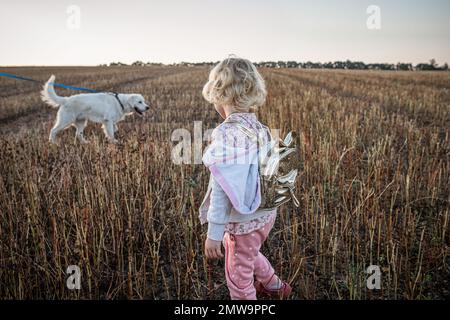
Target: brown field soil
[374, 188]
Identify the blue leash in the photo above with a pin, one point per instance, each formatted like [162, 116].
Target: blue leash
[60, 85]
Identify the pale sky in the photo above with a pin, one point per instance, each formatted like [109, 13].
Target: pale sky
[37, 32]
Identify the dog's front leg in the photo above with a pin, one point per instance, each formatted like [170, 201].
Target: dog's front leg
[108, 127]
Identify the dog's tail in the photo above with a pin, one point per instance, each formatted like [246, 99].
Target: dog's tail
[49, 95]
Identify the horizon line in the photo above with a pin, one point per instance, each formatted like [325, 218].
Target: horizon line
[211, 62]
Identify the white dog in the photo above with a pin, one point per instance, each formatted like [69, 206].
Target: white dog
[105, 108]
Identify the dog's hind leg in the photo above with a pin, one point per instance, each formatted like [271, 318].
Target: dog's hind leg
[62, 122]
[108, 127]
[80, 125]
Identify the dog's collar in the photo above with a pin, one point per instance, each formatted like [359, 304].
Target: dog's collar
[120, 102]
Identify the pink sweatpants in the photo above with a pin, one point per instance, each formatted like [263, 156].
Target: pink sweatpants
[244, 262]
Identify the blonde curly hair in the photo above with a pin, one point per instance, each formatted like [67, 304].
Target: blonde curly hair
[236, 82]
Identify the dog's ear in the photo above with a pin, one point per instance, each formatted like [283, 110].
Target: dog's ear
[131, 101]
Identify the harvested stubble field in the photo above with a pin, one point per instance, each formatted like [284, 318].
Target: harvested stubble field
[374, 188]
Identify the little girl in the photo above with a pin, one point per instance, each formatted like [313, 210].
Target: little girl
[231, 204]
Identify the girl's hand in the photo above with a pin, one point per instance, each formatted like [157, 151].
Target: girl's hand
[213, 249]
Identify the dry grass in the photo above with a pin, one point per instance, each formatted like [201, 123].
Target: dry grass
[374, 188]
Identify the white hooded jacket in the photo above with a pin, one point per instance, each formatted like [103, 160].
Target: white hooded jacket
[233, 193]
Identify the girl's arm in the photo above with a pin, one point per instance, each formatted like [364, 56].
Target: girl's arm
[218, 212]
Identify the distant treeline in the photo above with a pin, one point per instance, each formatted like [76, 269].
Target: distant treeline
[348, 65]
